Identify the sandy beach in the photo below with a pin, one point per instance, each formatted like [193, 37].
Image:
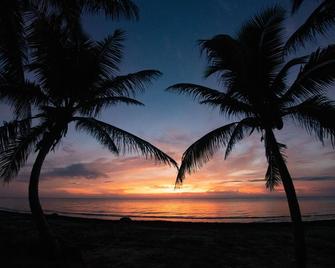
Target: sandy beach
[100, 243]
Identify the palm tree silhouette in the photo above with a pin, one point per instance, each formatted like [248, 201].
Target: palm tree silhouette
[318, 22]
[253, 69]
[74, 80]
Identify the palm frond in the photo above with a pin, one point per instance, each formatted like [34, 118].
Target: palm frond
[278, 85]
[95, 106]
[129, 143]
[50, 60]
[98, 132]
[10, 130]
[197, 91]
[127, 85]
[315, 76]
[13, 46]
[272, 176]
[21, 96]
[62, 64]
[112, 8]
[67, 9]
[230, 106]
[13, 52]
[70, 12]
[316, 116]
[16, 153]
[203, 150]
[262, 39]
[319, 22]
[244, 127]
[109, 53]
[228, 103]
[224, 54]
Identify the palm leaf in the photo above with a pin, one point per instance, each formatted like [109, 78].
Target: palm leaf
[98, 132]
[244, 127]
[51, 54]
[272, 176]
[16, 153]
[224, 54]
[315, 115]
[319, 22]
[203, 150]
[127, 85]
[12, 41]
[262, 39]
[197, 91]
[228, 104]
[109, 53]
[127, 142]
[113, 8]
[9, 131]
[315, 76]
[279, 83]
[21, 96]
[72, 9]
[13, 46]
[95, 106]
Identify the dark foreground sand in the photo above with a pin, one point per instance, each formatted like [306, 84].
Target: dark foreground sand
[163, 244]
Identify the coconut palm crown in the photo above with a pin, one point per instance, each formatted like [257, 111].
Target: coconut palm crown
[16, 17]
[261, 96]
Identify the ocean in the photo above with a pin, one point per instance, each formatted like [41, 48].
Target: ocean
[195, 210]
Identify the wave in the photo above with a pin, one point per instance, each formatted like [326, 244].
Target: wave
[156, 216]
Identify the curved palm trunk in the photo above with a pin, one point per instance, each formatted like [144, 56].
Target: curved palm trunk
[298, 228]
[46, 235]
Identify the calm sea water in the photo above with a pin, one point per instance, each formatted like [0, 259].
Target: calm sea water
[205, 210]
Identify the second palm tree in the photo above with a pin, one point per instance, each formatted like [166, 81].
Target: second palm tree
[252, 66]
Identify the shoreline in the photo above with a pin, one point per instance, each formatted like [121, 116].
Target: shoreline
[60, 215]
[115, 243]
[228, 219]
[178, 210]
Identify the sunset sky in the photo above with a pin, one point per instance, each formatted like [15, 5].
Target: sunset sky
[165, 38]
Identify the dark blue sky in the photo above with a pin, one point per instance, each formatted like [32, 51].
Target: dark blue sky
[165, 38]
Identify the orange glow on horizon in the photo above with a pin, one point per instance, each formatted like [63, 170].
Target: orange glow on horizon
[240, 175]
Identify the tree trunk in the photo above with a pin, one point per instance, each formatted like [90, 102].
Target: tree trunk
[298, 228]
[46, 235]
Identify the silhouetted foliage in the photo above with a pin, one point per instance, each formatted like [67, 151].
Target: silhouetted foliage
[17, 17]
[319, 22]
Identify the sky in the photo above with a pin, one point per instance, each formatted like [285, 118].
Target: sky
[165, 38]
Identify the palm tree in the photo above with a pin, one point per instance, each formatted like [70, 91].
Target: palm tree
[73, 80]
[318, 22]
[253, 69]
